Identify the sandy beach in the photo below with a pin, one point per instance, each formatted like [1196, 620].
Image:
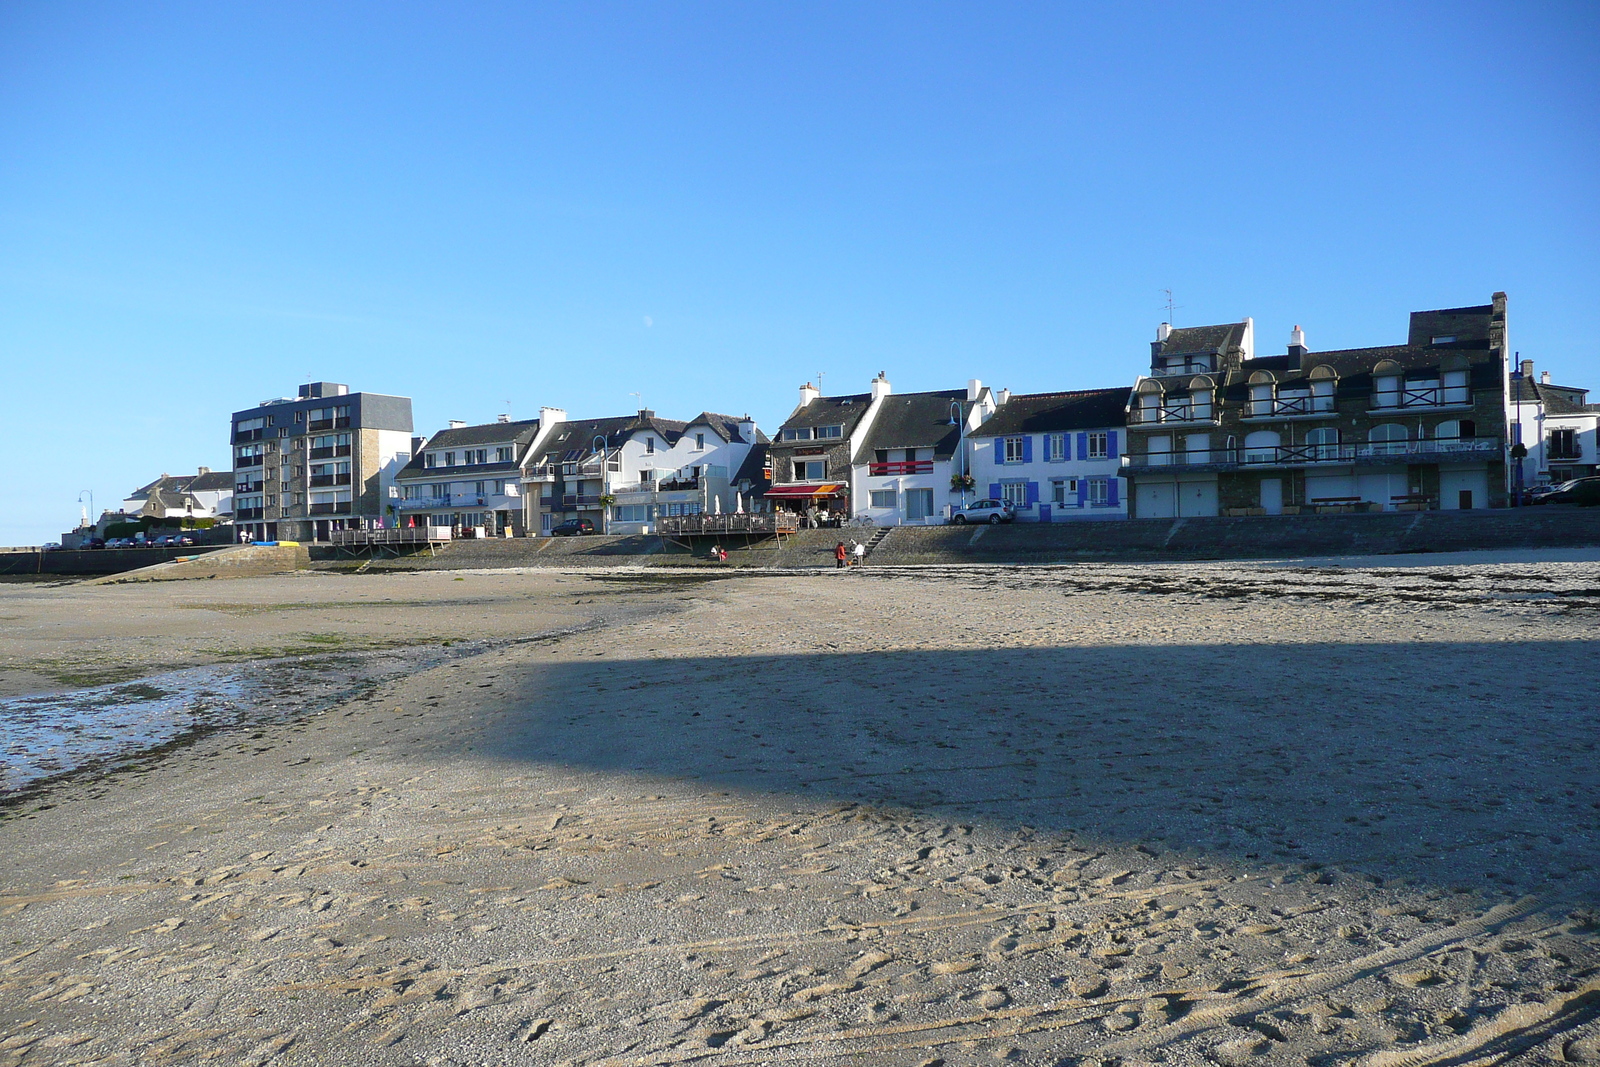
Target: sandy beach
[1186, 813]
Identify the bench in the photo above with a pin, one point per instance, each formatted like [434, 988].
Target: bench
[1337, 505]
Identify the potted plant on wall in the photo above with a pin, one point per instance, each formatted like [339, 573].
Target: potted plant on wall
[961, 483]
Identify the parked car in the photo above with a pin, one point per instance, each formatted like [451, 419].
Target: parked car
[183, 539]
[165, 541]
[572, 528]
[120, 542]
[93, 542]
[990, 511]
[1582, 492]
[52, 546]
[1537, 494]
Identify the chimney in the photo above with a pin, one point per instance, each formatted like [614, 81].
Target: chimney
[1005, 394]
[880, 386]
[457, 424]
[1527, 368]
[416, 444]
[551, 416]
[808, 393]
[1163, 332]
[205, 470]
[1544, 379]
[645, 414]
[502, 418]
[1297, 347]
[974, 387]
[747, 429]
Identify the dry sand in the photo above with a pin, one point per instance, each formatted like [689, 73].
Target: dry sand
[1208, 813]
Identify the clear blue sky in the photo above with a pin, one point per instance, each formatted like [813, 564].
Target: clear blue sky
[204, 205]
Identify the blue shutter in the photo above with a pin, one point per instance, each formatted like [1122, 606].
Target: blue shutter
[1066, 446]
[999, 450]
[1083, 446]
[1027, 449]
[1083, 487]
[1111, 448]
[1044, 512]
[994, 490]
[1033, 492]
[1111, 487]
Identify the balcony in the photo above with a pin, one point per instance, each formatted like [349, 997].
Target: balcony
[1290, 407]
[579, 500]
[905, 466]
[1414, 397]
[455, 500]
[246, 436]
[329, 479]
[1190, 414]
[1376, 452]
[249, 461]
[249, 514]
[547, 473]
[340, 508]
[330, 452]
[249, 487]
[328, 424]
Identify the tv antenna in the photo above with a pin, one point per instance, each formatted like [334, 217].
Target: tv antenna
[640, 398]
[1169, 307]
[819, 383]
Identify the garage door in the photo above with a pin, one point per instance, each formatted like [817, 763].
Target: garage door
[1197, 499]
[1154, 500]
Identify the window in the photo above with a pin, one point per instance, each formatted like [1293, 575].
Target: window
[1389, 438]
[1323, 443]
[1014, 449]
[699, 442]
[283, 431]
[919, 504]
[1014, 493]
[449, 459]
[1447, 339]
[1099, 491]
[1055, 447]
[477, 488]
[1564, 444]
[649, 446]
[1064, 490]
[299, 416]
[797, 433]
[413, 492]
[1099, 446]
[830, 431]
[502, 454]
[631, 513]
[810, 470]
[882, 498]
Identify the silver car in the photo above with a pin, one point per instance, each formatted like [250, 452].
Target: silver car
[993, 512]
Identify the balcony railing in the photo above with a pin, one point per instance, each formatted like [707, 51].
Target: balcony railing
[546, 473]
[340, 508]
[249, 514]
[905, 466]
[329, 479]
[249, 461]
[246, 436]
[1281, 406]
[1174, 413]
[248, 487]
[1429, 396]
[779, 522]
[328, 424]
[330, 451]
[455, 500]
[1294, 455]
[578, 500]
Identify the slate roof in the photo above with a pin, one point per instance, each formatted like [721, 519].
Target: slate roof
[1557, 399]
[725, 427]
[751, 469]
[1188, 340]
[212, 482]
[831, 411]
[917, 420]
[519, 434]
[574, 440]
[1081, 409]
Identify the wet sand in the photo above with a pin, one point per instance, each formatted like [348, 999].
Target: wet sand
[1207, 813]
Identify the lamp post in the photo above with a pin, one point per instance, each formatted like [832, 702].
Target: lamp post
[1516, 445]
[961, 446]
[599, 446]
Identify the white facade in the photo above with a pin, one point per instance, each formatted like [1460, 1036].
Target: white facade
[1063, 476]
[1561, 444]
[907, 482]
[656, 478]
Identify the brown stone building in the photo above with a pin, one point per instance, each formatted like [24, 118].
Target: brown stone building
[1216, 430]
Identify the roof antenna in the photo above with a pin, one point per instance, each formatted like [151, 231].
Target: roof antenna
[1169, 307]
[639, 397]
[819, 384]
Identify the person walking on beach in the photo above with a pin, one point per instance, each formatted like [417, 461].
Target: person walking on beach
[860, 551]
[839, 556]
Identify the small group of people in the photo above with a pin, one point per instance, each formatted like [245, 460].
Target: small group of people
[719, 554]
[821, 518]
[849, 555]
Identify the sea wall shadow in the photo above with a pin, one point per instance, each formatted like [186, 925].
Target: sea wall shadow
[1462, 764]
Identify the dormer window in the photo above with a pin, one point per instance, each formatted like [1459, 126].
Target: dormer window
[1445, 340]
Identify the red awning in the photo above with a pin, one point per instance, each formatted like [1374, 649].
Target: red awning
[834, 489]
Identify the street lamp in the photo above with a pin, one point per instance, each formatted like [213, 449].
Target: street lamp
[599, 447]
[961, 446]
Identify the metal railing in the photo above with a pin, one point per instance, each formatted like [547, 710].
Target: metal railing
[1174, 413]
[454, 500]
[775, 522]
[1291, 405]
[340, 508]
[1283, 455]
[1430, 396]
[401, 536]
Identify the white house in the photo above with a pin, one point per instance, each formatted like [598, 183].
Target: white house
[206, 495]
[467, 477]
[912, 448]
[1056, 457]
[1556, 424]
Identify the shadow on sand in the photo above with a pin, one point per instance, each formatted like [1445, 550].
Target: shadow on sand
[1464, 765]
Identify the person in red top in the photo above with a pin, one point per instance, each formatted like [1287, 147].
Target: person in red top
[840, 555]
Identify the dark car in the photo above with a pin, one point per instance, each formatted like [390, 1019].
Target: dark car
[572, 528]
[1583, 493]
[93, 542]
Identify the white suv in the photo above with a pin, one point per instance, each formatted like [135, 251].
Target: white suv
[990, 511]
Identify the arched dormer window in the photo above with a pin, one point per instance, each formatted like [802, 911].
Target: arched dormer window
[1148, 403]
[1202, 392]
[1324, 380]
[1261, 390]
[1386, 379]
